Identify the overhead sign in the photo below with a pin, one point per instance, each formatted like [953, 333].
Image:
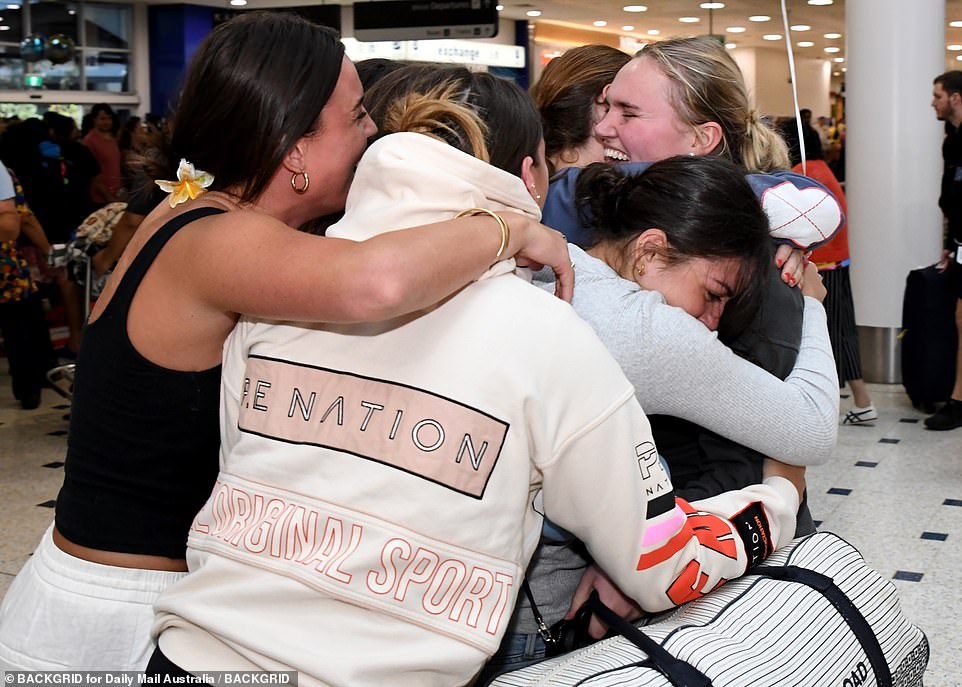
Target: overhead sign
[399, 20]
[445, 51]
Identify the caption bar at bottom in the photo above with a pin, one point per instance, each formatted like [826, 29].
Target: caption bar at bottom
[128, 678]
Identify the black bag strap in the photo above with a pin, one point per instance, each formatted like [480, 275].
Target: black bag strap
[543, 630]
[678, 672]
[682, 674]
[850, 614]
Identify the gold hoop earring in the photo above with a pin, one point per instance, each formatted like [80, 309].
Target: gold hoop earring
[302, 189]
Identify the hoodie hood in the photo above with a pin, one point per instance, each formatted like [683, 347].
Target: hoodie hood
[408, 179]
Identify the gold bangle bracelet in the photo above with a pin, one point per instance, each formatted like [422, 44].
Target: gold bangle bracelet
[505, 231]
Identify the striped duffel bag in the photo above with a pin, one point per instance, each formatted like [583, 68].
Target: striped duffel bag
[814, 615]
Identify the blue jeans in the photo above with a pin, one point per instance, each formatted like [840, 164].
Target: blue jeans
[516, 651]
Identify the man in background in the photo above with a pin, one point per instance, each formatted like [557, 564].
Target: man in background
[947, 102]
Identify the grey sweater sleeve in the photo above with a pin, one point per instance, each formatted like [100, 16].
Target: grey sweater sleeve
[680, 368]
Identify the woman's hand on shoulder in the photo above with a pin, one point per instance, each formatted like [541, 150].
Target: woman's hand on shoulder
[811, 283]
[538, 246]
[798, 270]
[791, 261]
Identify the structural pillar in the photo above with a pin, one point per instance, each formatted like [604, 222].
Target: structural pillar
[894, 49]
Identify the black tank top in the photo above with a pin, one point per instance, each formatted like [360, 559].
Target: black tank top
[142, 452]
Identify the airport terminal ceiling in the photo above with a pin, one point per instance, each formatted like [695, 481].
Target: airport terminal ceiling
[818, 25]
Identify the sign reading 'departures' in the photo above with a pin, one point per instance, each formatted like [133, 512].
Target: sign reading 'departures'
[398, 20]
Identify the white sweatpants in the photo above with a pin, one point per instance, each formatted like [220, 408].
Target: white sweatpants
[64, 613]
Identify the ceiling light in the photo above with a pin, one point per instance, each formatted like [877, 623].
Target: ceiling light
[627, 28]
[801, 27]
[689, 20]
[599, 23]
[838, 59]
[759, 17]
[956, 24]
[954, 47]
[772, 37]
[820, 2]
[735, 29]
[238, 3]
[804, 44]
[836, 73]
[13, 7]
[731, 46]
[4, 28]
[833, 49]
[958, 57]
[833, 36]
[635, 8]
[500, 8]
[712, 5]
[533, 13]
[653, 32]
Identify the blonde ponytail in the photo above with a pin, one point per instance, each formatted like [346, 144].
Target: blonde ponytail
[439, 113]
[763, 150]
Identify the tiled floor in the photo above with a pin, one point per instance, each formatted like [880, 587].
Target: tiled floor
[893, 490]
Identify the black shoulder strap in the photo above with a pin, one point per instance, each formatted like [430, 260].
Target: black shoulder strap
[145, 258]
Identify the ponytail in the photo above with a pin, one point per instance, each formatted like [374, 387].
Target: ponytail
[763, 150]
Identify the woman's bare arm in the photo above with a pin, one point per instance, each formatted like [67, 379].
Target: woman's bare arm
[246, 263]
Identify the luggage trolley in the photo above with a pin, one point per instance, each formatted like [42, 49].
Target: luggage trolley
[76, 256]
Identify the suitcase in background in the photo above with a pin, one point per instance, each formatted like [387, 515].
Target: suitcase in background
[929, 336]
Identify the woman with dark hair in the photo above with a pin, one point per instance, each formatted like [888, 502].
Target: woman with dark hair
[107, 187]
[569, 95]
[671, 247]
[403, 466]
[270, 122]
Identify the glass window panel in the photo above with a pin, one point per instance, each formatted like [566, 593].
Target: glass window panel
[11, 23]
[107, 26]
[53, 18]
[74, 45]
[54, 77]
[107, 71]
[11, 68]
[19, 110]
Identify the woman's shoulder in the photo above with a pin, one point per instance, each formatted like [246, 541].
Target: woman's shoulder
[215, 215]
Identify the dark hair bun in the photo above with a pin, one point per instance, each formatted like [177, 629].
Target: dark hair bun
[599, 191]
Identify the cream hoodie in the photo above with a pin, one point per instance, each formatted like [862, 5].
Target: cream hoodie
[382, 485]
